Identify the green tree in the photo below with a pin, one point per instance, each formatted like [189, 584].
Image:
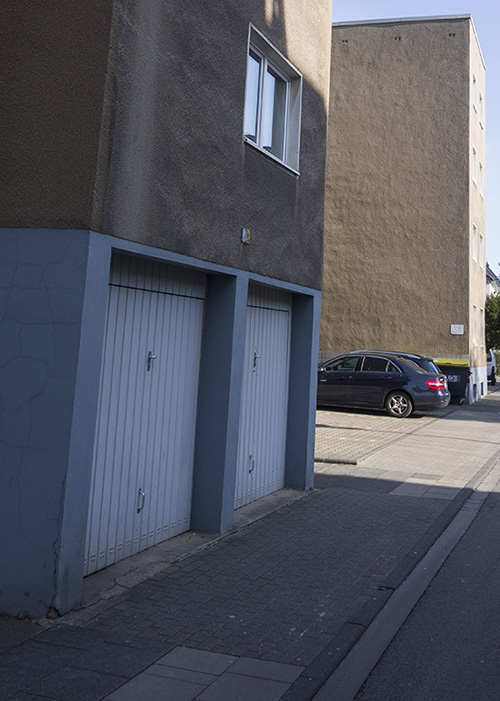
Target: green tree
[492, 320]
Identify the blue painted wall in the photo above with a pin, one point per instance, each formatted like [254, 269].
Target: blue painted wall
[53, 302]
[42, 284]
[219, 402]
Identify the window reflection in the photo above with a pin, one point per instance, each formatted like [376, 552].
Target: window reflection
[273, 118]
[252, 96]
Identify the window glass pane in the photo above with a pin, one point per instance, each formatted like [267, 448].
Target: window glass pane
[267, 112]
[343, 364]
[374, 364]
[411, 364]
[273, 118]
[428, 366]
[252, 96]
[279, 117]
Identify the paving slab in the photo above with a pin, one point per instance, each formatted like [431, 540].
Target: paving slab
[235, 687]
[271, 608]
[15, 631]
[350, 436]
[265, 670]
[69, 683]
[200, 660]
[150, 687]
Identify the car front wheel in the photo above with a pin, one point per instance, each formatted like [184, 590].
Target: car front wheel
[398, 404]
[493, 377]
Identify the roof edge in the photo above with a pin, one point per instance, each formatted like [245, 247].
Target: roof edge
[434, 18]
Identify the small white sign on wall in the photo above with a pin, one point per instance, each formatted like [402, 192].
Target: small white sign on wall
[457, 329]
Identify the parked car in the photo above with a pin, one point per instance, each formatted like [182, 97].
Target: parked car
[491, 363]
[426, 363]
[378, 380]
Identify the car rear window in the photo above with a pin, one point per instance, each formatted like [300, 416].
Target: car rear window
[428, 365]
[413, 366]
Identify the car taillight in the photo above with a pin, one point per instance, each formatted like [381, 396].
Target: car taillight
[436, 384]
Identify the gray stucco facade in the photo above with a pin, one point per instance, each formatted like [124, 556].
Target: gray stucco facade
[147, 160]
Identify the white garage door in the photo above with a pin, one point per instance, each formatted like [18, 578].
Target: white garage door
[143, 456]
[264, 403]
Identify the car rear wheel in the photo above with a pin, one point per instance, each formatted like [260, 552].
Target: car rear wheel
[493, 377]
[398, 404]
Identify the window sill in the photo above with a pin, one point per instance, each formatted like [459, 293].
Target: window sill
[270, 156]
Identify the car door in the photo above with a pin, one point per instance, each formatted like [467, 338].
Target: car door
[335, 378]
[374, 378]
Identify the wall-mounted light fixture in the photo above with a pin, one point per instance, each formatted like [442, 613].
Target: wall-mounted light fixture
[245, 235]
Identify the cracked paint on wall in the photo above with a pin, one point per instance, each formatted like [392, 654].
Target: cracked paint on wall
[42, 283]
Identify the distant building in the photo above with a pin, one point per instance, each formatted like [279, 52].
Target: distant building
[404, 261]
[163, 169]
[492, 281]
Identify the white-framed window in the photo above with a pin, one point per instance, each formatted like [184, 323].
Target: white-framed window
[474, 165]
[273, 98]
[474, 243]
[481, 333]
[481, 177]
[474, 324]
[474, 92]
[481, 110]
[481, 250]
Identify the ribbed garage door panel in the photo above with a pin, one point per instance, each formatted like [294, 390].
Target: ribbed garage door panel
[143, 458]
[262, 437]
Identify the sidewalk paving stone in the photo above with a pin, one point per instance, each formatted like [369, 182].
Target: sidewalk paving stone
[277, 603]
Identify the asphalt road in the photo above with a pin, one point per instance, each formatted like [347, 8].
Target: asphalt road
[449, 646]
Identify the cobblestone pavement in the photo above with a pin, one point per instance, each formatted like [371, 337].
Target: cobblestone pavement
[262, 593]
[267, 612]
[348, 437]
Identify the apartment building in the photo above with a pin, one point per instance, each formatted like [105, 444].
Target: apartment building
[161, 260]
[404, 264]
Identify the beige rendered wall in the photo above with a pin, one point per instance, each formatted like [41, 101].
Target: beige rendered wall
[397, 231]
[477, 275]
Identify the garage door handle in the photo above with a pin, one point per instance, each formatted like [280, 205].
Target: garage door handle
[256, 356]
[251, 464]
[151, 357]
[141, 499]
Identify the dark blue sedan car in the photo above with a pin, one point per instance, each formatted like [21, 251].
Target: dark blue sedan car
[399, 385]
